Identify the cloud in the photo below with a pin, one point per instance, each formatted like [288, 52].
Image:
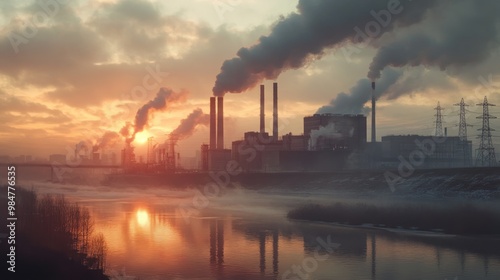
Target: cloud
[14, 110]
[138, 31]
[459, 33]
[53, 50]
[87, 63]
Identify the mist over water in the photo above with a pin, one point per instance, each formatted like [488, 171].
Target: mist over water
[244, 234]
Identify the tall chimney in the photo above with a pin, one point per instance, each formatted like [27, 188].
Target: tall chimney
[374, 132]
[213, 121]
[262, 110]
[220, 123]
[275, 112]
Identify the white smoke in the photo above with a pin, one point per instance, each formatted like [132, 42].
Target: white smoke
[326, 132]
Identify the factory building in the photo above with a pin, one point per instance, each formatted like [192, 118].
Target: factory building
[327, 142]
[252, 149]
[261, 152]
[330, 142]
[425, 151]
[218, 159]
[294, 142]
[258, 152]
[335, 132]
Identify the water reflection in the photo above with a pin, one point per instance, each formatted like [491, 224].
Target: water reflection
[264, 237]
[220, 243]
[373, 249]
[143, 218]
[154, 243]
[213, 241]
[217, 247]
[275, 253]
[262, 250]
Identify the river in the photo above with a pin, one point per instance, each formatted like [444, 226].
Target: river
[153, 233]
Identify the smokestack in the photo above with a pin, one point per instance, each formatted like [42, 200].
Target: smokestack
[374, 134]
[213, 131]
[220, 123]
[275, 112]
[262, 112]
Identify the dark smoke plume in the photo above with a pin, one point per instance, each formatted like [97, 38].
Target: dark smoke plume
[82, 146]
[353, 102]
[108, 139]
[188, 125]
[162, 101]
[461, 33]
[304, 35]
[127, 130]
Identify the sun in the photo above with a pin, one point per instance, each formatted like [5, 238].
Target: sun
[141, 137]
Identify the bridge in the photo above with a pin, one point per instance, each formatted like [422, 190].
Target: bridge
[57, 170]
[60, 165]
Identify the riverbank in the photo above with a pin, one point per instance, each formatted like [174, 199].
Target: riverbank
[50, 238]
[463, 219]
[468, 183]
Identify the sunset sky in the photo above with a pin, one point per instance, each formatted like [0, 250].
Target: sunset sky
[78, 70]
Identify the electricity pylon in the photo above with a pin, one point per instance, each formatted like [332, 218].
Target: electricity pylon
[486, 152]
[439, 121]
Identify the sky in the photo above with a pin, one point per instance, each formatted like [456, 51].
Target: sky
[73, 71]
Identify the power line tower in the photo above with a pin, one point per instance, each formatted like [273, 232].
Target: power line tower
[486, 151]
[462, 134]
[462, 126]
[439, 120]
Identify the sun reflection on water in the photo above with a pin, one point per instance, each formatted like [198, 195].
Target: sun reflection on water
[142, 216]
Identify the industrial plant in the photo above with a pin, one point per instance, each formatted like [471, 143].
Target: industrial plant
[330, 142]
